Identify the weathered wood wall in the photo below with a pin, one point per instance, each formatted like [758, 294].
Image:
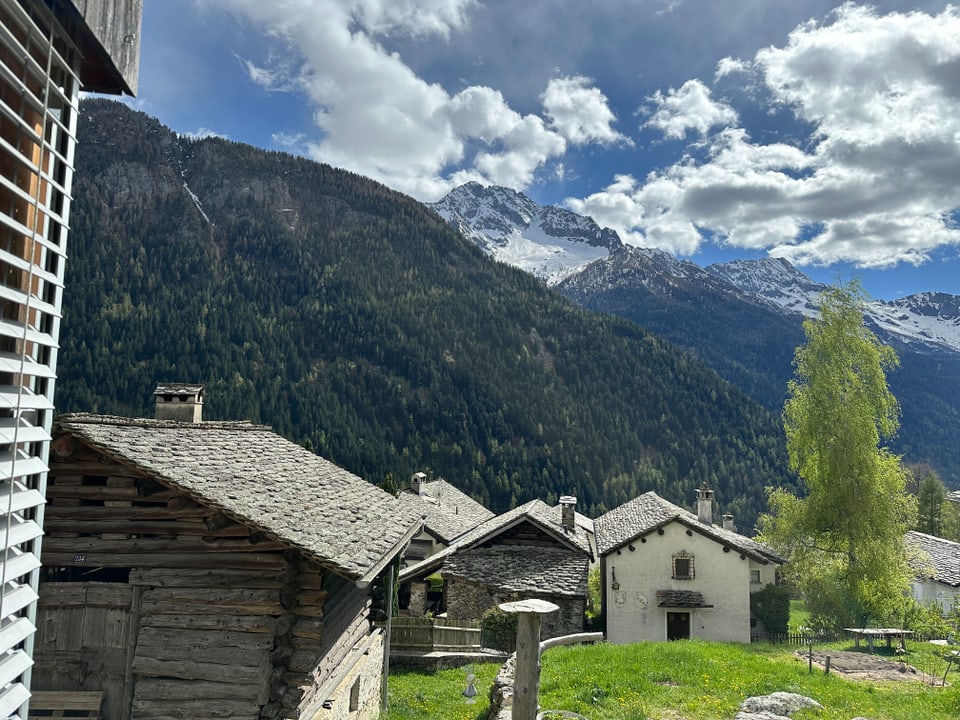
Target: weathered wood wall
[213, 621]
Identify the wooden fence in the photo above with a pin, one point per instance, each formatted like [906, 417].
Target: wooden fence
[433, 634]
[798, 639]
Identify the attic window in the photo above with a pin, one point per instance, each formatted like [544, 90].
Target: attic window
[683, 566]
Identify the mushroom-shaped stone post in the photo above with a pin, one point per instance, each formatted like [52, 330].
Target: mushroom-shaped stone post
[526, 686]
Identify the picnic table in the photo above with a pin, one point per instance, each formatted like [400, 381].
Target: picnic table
[873, 633]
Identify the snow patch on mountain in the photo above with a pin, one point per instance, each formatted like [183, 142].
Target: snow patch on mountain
[926, 319]
[549, 242]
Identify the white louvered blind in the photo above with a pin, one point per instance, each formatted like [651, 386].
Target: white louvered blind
[39, 92]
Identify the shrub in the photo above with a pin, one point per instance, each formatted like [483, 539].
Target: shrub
[771, 606]
[499, 630]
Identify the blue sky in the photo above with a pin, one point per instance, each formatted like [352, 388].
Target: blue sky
[715, 129]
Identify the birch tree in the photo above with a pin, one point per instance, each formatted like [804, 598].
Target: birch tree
[844, 537]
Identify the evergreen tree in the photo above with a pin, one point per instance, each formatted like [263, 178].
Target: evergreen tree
[930, 501]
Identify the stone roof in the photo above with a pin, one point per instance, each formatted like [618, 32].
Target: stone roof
[523, 568]
[449, 512]
[178, 389]
[954, 496]
[944, 555]
[649, 511]
[680, 599]
[536, 512]
[260, 480]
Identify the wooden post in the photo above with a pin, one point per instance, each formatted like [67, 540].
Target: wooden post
[826, 664]
[526, 684]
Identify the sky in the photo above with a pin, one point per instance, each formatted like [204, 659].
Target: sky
[825, 134]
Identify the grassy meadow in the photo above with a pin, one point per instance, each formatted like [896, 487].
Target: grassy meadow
[689, 680]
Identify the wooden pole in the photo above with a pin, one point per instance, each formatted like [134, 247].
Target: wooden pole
[526, 684]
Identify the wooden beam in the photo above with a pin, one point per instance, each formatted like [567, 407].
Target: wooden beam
[233, 561]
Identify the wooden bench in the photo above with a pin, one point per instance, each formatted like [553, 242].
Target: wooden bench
[64, 704]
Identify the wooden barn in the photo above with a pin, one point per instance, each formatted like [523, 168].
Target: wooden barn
[211, 570]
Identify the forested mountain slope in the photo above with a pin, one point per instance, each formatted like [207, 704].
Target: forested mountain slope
[335, 310]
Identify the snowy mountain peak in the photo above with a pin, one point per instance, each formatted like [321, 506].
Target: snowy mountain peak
[559, 245]
[548, 241]
[774, 280]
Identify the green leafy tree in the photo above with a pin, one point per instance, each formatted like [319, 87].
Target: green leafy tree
[844, 539]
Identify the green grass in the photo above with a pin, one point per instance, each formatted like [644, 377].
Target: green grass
[422, 695]
[799, 617]
[692, 680]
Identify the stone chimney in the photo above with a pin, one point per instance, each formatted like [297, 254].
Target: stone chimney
[728, 523]
[568, 513]
[183, 403]
[417, 481]
[705, 504]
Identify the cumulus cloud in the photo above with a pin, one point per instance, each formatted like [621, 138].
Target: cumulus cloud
[579, 111]
[688, 108]
[876, 177]
[379, 118]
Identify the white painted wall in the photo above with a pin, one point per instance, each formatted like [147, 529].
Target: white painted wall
[929, 591]
[722, 577]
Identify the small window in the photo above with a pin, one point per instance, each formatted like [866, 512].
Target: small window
[355, 696]
[755, 576]
[683, 566]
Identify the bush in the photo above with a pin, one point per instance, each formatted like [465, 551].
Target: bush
[498, 630]
[771, 607]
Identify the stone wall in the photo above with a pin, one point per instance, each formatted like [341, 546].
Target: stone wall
[469, 601]
[360, 689]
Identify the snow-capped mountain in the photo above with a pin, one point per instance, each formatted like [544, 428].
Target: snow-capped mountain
[928, 321]
[547, 241]
[572, 251]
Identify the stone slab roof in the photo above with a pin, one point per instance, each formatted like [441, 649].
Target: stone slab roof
[649, 511]
[260, 480]
[944, 556]
[954, 496]
[680, 599]
[449, 512]
[536, 512]
[523, 568]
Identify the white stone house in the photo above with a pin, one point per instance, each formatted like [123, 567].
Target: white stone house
[667, 574]
[937, 567]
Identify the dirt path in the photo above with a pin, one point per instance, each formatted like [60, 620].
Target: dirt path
[862, 665]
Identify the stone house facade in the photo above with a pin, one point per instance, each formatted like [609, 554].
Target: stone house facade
[669, 574]
[533, 551]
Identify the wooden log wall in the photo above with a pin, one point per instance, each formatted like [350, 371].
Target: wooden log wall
[222, 623]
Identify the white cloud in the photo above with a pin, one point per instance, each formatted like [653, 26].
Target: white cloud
[877, 175]
[378, 118]
[579, 111]
[688, 108]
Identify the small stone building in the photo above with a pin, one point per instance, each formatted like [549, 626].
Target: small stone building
[211, 570]
[448, 513]
[533, 551]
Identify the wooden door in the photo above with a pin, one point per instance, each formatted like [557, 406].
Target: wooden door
[678, 626]
[86, 632]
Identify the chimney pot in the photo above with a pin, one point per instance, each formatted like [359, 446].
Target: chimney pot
[705, 504]
[180, 402]
[417, 481]
[728, 523]
[568, 513]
